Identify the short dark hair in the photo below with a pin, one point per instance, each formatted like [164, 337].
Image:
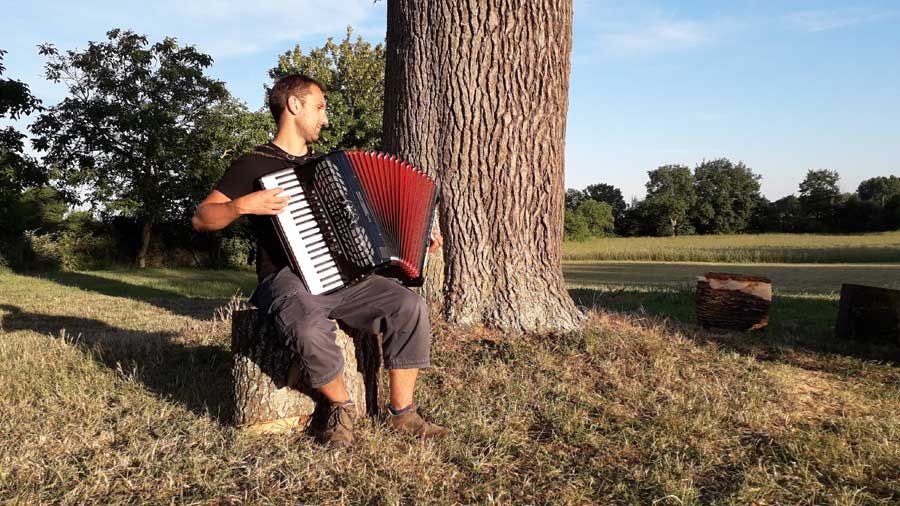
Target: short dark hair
[292, 85]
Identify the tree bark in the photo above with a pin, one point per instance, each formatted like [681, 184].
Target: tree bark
[266, 389]
[869, 313]
[476, 93]
[145, 245]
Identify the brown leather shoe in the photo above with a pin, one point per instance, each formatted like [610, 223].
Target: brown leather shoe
[411, 423]
[338, 429]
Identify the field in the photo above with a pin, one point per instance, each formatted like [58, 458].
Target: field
[113, 390]
[762, 248]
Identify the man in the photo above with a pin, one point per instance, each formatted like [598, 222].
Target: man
[306, 321]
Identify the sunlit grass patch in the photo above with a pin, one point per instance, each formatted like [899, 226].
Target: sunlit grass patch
[745, 248]
[113, 388]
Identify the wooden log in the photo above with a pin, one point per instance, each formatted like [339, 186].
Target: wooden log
[267, 392]
[733, 301]
[869, 313]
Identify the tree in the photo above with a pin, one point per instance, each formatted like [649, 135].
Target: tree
[573, 198]
[783, 215]
[726, 196]
[223, 133]
[856, 215]
[819, 195]
[476, 93]
[121, 135]
[598, 217]
[608, 193]
[18, 171]
[670, 194]
[353, 75]
[879, 189]
[575, 227]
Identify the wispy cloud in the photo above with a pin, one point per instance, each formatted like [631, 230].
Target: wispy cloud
[820, 20]
[659, 36]
[639, 29]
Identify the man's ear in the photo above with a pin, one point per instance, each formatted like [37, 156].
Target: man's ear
[294, 105]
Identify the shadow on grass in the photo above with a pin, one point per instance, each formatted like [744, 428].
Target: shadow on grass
[796, 324]
[193, 307]
[194, 376]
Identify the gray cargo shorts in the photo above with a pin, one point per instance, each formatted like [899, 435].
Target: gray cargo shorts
[374, 305]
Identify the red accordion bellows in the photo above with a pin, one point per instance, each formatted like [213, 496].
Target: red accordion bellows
[399, 195]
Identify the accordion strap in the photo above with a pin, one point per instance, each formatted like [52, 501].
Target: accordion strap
[270, 151]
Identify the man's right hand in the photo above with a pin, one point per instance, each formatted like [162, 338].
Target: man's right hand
[261, 202]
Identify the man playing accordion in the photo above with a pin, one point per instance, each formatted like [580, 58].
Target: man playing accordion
[307, 322]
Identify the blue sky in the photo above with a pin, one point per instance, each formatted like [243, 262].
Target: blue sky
[782, 86]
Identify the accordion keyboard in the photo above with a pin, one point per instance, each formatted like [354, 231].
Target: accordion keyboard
[305, 239]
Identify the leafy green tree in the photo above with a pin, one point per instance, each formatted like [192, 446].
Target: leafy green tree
[608, 193]
[575, 227]
[670, 195]
[223, 133]
[879, 189]
[573, 198]
[122, 133]
[783, 215]
[892, 213]
[18, 171]
[819, 197]
[726, 196]
[857, 215]
[598, 217]
[353, 75]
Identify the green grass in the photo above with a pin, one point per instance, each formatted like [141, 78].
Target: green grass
[112, 390]
[761, 248]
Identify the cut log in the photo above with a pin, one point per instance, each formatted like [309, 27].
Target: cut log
[733, 301]
[869, 313]
[267, 393]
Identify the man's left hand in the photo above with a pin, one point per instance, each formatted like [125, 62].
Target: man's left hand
[437, 240]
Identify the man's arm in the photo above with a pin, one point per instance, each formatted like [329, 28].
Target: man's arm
[217, 211]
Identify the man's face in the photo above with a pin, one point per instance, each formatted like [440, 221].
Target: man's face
[311, 115]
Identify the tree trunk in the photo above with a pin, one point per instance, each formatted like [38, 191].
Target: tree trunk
[869, 313]
[674, 225]
[733, 301]
[266, 389]
[145, 245]
[476, 92]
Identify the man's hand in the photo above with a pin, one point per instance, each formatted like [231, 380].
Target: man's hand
[261, 202]
[437, 240]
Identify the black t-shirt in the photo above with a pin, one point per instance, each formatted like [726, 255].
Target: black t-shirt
[240, 179]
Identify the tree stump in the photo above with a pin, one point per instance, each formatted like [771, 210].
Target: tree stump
[869, 313]
[733, 301]
[267, 393]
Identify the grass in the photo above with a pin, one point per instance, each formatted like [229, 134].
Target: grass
[761, 248]
[112, 390]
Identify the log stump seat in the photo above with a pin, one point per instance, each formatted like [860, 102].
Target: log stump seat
[733, 301]
[267, 393]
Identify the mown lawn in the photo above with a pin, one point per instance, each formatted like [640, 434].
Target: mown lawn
[881, 247]
[113, 390]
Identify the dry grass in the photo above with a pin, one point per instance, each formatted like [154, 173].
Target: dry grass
[746, 248]
[108, 398]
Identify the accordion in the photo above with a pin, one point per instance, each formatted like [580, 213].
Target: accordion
[353, 213]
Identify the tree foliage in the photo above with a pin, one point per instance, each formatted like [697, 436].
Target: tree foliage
[879, 189]
[819, 197]
[726, 194]
[602, 192]
[670, 195]
[122, 133]
[353, 75]
[18, 171]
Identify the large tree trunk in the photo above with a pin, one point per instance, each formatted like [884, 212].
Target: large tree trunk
[145, 245]
[476, 92]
